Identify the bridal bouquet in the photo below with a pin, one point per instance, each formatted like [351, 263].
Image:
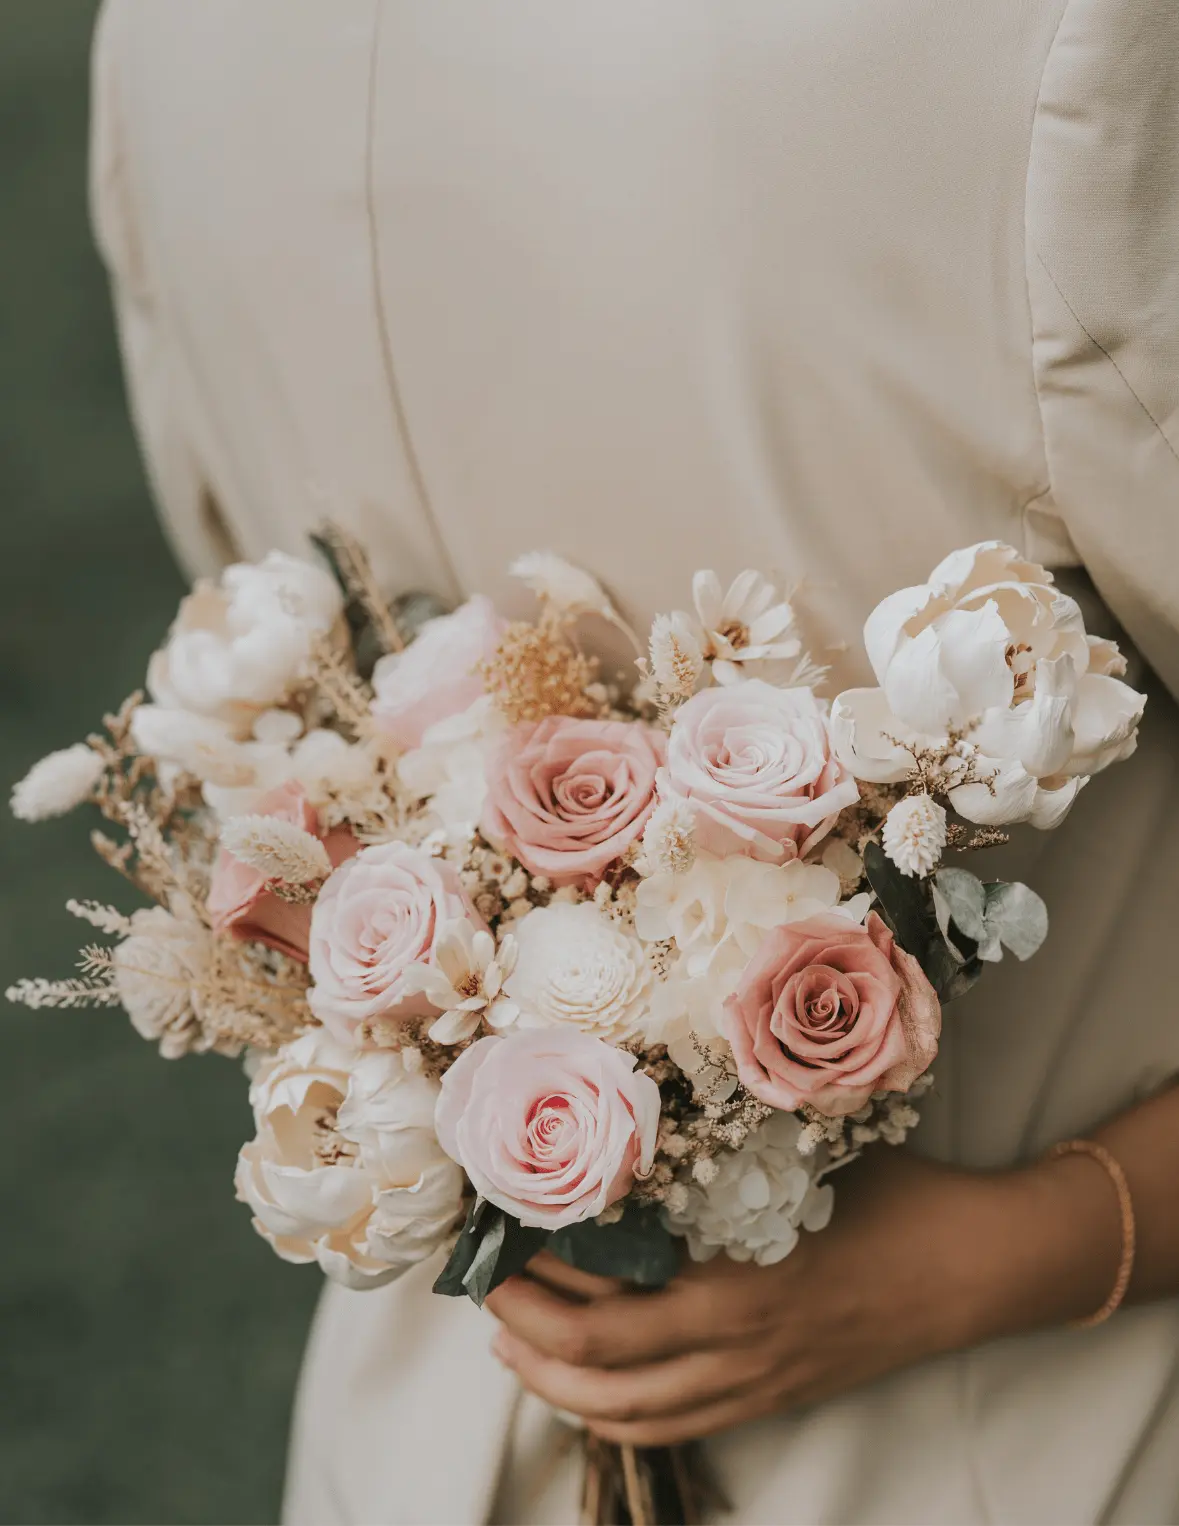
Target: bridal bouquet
[522, 956]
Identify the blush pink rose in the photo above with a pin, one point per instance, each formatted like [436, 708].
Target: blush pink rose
[378, 914]
[755, 766]
[551, 1127]
[241, 901]
[436, 676]
[828, 1012]
[567, 797]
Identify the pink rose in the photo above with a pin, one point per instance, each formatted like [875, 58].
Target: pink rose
[381, 912]
[240, 899]
[436, 676]
[567, 797]
[551, 1127]
[754, 764]
[828, 1013]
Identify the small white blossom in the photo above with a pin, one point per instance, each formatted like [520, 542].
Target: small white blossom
[57, 783]
[677, 656]
[747, 623]
[915, 834]
[465, 982]
[753, 1201]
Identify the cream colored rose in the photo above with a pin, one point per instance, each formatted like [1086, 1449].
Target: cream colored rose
[237, 646]
[346, 1169]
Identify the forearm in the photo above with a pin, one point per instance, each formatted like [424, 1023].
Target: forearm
[1050, 1237]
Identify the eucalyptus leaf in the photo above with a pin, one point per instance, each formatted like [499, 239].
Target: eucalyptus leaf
[1018, 917]
[637, 1247]
[491, 1248]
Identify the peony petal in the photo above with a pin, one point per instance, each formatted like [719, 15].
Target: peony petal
[861, 728]
[1105, 720]
[952, 672]
[884, 629]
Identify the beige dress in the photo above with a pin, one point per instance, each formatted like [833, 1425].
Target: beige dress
[826, 287]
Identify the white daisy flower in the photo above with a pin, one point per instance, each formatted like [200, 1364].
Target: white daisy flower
[747, 623]
[466, 981]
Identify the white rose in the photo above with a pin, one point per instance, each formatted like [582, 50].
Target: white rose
[989, 647]
[159, 972]
[237, 646]
[759, 1196]
[346, 1169]
[575, 968]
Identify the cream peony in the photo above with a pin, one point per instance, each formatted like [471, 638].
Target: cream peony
[159, 972]
[575, 968]
[759, 1197]
[989, 648]
[238, 646]
[449, 767]
[346, 1169]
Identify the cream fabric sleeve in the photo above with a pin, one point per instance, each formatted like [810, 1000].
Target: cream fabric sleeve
[196, 528]
[1103, 283]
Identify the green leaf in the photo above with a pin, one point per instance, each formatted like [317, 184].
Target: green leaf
[637, 1247]
[1018, 917]
[994, 916]
[910, 911]
[491, 1248]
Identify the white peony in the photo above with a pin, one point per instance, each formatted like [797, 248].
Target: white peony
[757, 1199]
[575, 968]
[346, 1169]
[159, 971]
[57, 783]
[989, 648]
[238, 646]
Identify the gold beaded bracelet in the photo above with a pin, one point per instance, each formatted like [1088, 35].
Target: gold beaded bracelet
[1129, 1231]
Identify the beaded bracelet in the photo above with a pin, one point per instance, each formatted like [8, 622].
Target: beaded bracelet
[1129, 1232]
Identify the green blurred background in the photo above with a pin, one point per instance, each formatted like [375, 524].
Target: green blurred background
[149, 1341]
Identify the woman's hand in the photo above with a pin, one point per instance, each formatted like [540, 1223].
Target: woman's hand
[918, 1259]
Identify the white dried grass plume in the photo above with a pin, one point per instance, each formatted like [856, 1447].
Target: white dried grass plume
[159, 972]
[914, 835]
[669, 842]
[565, 586]
[57, 783]
[752, 1202]
[677, 656]
[278, 849]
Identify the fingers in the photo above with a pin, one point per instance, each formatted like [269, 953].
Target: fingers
[633, 1395]
[619, 1330]
[692, 1424]
[555, 1273]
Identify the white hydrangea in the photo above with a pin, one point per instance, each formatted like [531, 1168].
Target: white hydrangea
[57, 783]
[754, 1203]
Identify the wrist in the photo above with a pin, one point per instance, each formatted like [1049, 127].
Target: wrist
[1050, 1247]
